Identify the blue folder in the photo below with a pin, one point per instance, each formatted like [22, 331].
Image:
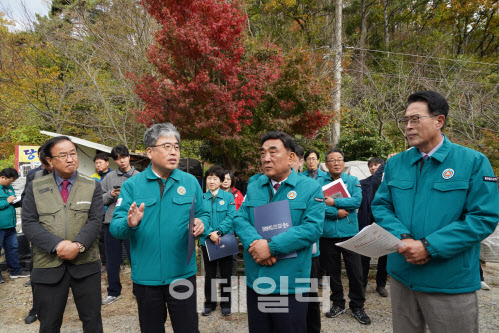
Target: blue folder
[272, 219]
[227, 247]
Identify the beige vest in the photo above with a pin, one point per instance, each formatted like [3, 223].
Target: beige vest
[63, 219]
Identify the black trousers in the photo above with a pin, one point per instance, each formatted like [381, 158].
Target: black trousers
[113, 263]
[314, 308]
[153, 301]
[381, 274]
[50, 302]
[210, 292]
[332, 255]
[291, 319]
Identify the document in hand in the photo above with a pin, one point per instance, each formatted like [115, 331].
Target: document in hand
[272, 219]
[336, 189]
[372, 241]
[227, 247]
[191, 242]
[16, 200]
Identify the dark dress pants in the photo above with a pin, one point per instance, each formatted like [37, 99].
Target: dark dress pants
[153, 301]
[113, 261]
[50, 302]
[291, 319]
[210, 291]
[353, 265]
[314, 308]
[381, 274]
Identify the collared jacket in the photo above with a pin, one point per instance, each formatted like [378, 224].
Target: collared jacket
[222, 211]
[347, 226]
[158, 245]
[7, 210]
[238, 197]
[306, 203]
[320, 174]
[451, 205]
[113, 178]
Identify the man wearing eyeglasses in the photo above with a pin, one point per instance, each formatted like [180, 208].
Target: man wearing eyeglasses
[441, 200]
[341, 224]
[111, 186]
[62, 216]
[153, 212]
[312, 162]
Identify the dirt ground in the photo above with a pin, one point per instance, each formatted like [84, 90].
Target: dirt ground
[121, 316]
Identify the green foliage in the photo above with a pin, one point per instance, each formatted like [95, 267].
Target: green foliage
[361, 145]
[27, 134]
[8, 162]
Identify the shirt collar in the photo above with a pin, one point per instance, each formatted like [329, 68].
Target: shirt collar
[150, 174]
[58, 179]
[434, 149]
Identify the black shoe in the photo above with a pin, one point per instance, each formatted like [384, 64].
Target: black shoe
[31, 317]
[1, 279]
[335, 311]
[225, 312]
[21, 274]
[207, 311]
[361, 316]
[382, 291]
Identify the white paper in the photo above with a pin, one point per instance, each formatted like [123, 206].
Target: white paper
[16, 200]
[334, 182]
[373, 241]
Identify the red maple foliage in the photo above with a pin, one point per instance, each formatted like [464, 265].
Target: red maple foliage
[204, 84]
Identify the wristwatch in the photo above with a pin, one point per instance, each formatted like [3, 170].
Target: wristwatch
[219, 233]
[81, 248]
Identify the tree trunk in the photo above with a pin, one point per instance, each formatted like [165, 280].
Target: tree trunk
[337, 74]
[385, 25]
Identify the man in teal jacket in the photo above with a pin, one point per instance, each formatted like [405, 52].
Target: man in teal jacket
[8, 234]
[222, 210]
[441, 199]
[341, 224]
[153, 212]
[312, 160]
[268, 278]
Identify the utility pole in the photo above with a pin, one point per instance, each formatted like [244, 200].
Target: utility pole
[337, 73]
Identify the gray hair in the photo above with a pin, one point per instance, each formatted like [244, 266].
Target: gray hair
[156, 131]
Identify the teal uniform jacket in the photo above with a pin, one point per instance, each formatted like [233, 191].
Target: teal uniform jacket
[347, 226]
[254, 178]
[453, 203]
[320, 174]
[158, 245]
[306, 203]
[222, 211]
[7, 211]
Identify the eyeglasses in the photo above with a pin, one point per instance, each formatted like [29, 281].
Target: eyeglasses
[413, 120]
[335, 161]
[64, 157]
[169, 146]
[311, 159]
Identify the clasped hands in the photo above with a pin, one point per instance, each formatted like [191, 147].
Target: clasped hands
[260, 251]
[414, 252]
[67, 250]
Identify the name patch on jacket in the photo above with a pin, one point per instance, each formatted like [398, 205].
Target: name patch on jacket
[319, 200]
[490, 179]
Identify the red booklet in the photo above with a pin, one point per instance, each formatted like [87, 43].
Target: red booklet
[336, 189]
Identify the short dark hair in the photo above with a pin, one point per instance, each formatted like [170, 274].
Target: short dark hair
[101, 156]
[119, 150]
[299, 151]
[47, 146]
[375, 160]
[231, 175]
[217, 171]
[41, 155]
[437, 104]
[312, 151]
[334, 150]
[9, 173]
[286, 139]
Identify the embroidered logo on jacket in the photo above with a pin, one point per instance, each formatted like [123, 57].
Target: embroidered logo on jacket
[292, 195]
[448, 174]
[181, 190]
